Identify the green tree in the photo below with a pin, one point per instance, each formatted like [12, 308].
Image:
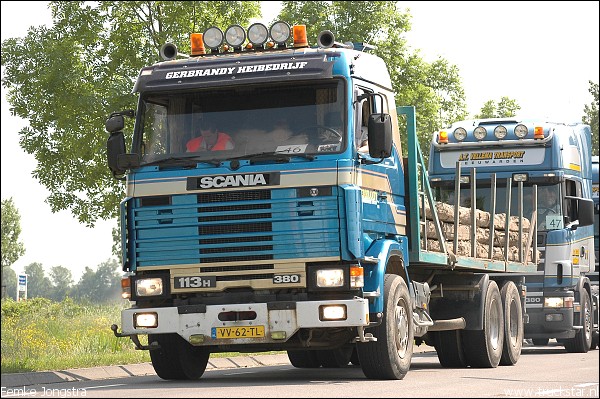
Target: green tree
[9, 283]
[101, 285]
[435, 89]
[505, 108]
[65, 80]
[590, 116]
[38, 284]
[12, 248]
[62, 281]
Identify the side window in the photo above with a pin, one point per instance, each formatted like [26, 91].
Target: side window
[365, 109]
[572, 189]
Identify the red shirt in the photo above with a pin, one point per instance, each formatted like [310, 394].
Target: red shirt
[224, 142]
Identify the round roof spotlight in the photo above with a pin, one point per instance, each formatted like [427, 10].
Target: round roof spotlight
[500, 132]
[280, 32]
[213, 38]
[460, 134]
[521, 131]
[235, 36]
[479, 132]
[257, 34]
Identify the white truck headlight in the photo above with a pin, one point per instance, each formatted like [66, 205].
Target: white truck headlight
[149, 286]
[330, 278]
[553, 302]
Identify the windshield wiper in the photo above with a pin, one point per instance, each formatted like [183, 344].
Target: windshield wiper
[274, 156]
[182, 161]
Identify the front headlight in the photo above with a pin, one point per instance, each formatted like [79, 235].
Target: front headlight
[551, 302]
[149, 286]
[330, 278]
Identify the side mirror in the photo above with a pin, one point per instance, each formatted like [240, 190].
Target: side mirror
[115, 147]
[115, 123]
[585, 209]
[380, 135]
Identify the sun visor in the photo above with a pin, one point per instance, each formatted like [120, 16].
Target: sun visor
[206, 72]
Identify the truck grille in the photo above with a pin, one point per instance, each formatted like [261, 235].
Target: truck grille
[232, 226]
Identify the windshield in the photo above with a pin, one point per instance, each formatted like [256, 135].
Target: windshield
[549, 207]
[234, 122]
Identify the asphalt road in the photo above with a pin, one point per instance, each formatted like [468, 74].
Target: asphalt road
[541, 372]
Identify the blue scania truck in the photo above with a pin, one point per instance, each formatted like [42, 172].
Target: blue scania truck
[309, 235]
[548, 168]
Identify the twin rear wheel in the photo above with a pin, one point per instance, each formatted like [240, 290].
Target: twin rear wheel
[500, 340]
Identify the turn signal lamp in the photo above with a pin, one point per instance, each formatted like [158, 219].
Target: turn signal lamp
[125, 288]
[443, 137]
[197, 44]
[300, 36]
[357, 277]
[538, 132]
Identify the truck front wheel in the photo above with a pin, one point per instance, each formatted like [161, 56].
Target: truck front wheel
[583, 337]
[513, 324]
[176, 359]
[389, 357]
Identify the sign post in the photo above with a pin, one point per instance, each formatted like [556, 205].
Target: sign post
[21, 287]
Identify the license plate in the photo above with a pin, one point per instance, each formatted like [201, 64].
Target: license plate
[238, 332]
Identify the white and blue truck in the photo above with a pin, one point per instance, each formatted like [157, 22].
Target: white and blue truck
[595, 285]
[307, 234]
[548, 168]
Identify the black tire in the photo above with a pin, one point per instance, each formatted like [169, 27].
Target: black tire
[304, 359]
[594, 340]
[582, 341]
[354, 358]
[335, 358]
[449, 348]
[389, 357]
[540, 341]
[513, 324]
[176, 359]
[483, 348]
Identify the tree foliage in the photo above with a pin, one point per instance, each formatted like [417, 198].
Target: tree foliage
[62, 280]
[12, 248]
[38, 284]
[505, 108]
[66, 79]
[590, 116]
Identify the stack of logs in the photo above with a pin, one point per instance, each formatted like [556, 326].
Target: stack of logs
[482, 222]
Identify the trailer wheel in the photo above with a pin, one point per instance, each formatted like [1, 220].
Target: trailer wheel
[304, 359]
[449, 348]
[484, 347]
[176, 359]
[335, 358]
[583, 337]
[389, 357]
[513, 324]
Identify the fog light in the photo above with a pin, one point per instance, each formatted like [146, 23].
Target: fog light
[278, 335]
[145, 320]
[332, 312]
[196, 339]
[554, 317]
